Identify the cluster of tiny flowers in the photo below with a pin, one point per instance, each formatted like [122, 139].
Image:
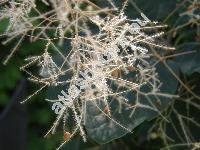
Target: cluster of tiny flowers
[101, 66]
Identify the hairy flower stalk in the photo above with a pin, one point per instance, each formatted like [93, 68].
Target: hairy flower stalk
[61, 19]
[18, 14]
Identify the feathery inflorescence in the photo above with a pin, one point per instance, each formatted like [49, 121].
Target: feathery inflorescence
[101, 66]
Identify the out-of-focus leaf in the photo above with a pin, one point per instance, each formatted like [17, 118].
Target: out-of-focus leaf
[154, 9]
[189, 63]
[3, 98]
[3, 24]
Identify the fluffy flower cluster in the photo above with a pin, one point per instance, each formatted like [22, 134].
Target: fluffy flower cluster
[18, 12]
[101, 66]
